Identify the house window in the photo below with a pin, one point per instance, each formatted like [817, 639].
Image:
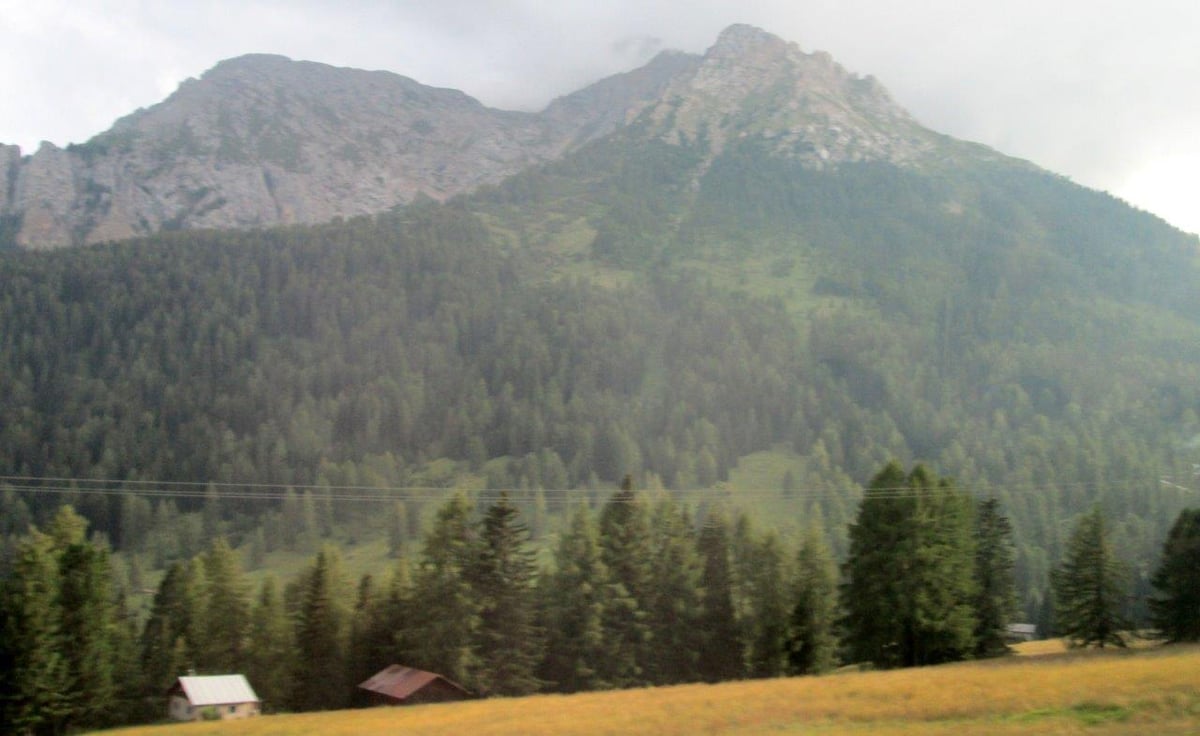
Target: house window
[233, 709]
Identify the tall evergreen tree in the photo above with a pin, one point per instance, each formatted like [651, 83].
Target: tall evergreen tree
[995, 591]
[909, 588]
[171, 635]
[1175, 608]
[509, 644]
[444, 624]
[227, 609]
[812, 644]
[35, 675]
[271, 652]
[625, 551]
[88, 632]
[770, 607]
[674, 606]
[362, 660]
[575, 597]
[1090, 587]
[721, 652]
[318, 682]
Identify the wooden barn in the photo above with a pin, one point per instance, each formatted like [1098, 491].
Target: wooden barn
[211, 697]
[399, 685]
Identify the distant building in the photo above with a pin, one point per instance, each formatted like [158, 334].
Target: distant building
[399, 685]
[1014, 633]
[212, 697]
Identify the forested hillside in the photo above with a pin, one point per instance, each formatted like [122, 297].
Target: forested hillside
[635, 308]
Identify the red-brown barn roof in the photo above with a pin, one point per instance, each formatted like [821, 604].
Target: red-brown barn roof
[400, 683]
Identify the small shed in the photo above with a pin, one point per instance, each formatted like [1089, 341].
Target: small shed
[195, 697]
[1015, 633]
[400, 685]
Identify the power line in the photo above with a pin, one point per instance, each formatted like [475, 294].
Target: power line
[362, 493]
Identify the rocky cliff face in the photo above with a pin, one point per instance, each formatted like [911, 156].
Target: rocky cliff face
[262, 140]
[752, 84]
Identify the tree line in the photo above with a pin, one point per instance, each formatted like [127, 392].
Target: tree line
[642, 591]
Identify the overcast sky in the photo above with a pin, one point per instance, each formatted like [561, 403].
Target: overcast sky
[1106, 92]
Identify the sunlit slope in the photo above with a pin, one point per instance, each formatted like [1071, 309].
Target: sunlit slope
[1112, 693]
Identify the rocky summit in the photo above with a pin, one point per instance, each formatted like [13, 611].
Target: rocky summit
[261, 140]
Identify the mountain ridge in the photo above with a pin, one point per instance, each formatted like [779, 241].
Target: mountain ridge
[260, 139]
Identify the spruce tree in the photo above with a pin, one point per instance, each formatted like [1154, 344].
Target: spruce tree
[1175, 608]
[227, 610]
[443, 626]
[625, 551]
[673, 609]
[271, 651]
[508, 643]
[882, 552]
[365, 655]
[770, 609]
[574, 601]
[909, 589]
[720, 655]
[321, 635]
[944, 586]
[171, 635]
[1090, 587]
[995, 592]
[812, 643]
[35, 674]
[88, 633]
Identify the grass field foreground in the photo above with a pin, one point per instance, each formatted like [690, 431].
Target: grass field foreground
[1148, 691]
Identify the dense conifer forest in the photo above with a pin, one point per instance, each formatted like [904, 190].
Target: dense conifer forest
[635, 309]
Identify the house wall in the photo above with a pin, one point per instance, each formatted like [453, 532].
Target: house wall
[180, 709]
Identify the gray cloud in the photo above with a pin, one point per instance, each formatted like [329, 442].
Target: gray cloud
[1102, 91]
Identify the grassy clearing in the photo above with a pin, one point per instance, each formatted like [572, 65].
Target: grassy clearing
[1149, 691]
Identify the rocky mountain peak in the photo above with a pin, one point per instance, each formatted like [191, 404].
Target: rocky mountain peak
[754, 86]
[261, 139]
[741, 39]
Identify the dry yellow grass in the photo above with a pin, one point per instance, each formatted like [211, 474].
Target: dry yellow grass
[1040, 647]
[1143, 692]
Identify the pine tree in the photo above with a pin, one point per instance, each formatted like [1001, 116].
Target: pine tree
[34, 673]
[397, 526]
[171, 635]
[443, 627]
[270, 653]
[944, 590]
[364, 657]
[508, 641]
[1175, 609]
[881, 554]
[1090, 587]
[625, 551]
[321, 635]
[769, 608]
[812, 643]
[574, 602]
[909, 588]
[674, 606]
[720, 655]
[88, 630]
[995, 592]
[227, 610]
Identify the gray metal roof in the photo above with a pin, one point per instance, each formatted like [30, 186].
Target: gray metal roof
[217, 689]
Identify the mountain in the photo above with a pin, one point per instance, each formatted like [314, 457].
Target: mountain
[716, 272]
[261, 140]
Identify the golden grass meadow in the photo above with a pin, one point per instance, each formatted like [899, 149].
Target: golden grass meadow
[1048, 691]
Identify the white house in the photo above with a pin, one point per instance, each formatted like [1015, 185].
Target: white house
[212, 696]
